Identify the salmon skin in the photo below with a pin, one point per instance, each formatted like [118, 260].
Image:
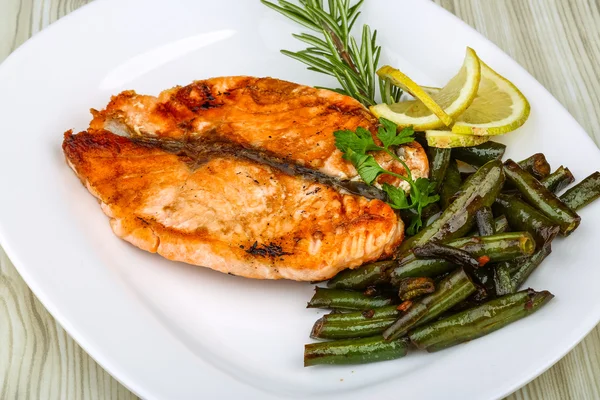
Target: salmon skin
[240, 175]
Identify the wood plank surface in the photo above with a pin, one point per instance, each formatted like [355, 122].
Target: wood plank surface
[557, 41]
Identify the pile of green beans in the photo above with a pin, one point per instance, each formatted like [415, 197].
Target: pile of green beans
[461, 276]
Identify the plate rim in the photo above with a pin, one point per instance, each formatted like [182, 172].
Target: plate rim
[96, 353]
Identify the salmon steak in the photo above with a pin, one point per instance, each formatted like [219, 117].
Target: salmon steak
[240, 175]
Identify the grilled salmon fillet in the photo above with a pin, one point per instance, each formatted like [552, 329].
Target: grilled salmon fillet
[290, 121]
[227, 173]
[227, 213]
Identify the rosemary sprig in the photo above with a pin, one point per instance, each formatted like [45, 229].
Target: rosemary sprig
[338, 53]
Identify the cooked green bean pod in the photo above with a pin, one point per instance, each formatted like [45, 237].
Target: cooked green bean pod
[345, 300]
[366, 315]
[362, 277]
[451, 185]
[523, 217]
[481, 295]
[479, 155]
[536, 165]
[466, 175]
[324, 329]
[526, 268]
[439, 159]
[448, 253]
[558, 180]
[502, 281]
[543, 199]
[484, 220]
[478, 191]
[450, 291]
[409, 288]
[501, 224]
[410, 266]
[583, 193]
[354, 351]
[499, 247]
[479, 321]
[484, 277]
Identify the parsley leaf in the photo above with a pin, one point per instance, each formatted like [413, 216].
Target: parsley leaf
[365, 165]
[360, 141]
[427, 194]
[389, 135]
[422, 198]
[356, 145]
[396, 196]
[415, 225]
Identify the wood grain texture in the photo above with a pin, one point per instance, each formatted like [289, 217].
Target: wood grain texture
[557, 41]
[38, 360]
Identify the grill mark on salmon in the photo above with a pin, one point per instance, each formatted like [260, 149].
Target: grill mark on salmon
[200, 151]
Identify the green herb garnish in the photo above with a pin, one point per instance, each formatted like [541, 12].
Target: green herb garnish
[355, 146]
[337, 53]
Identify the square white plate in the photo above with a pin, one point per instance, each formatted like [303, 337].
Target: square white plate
[173, 331]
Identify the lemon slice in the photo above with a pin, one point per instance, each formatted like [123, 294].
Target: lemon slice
[448, 139]
[431, 111]
[430, 90]
[498, 108]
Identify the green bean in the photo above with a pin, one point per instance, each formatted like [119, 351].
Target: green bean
[499, 247]
[501, 224]
[443, 251]
[481, 295]
[323, 329]
[536, 165]
[543, 199]
[439, 159]
[430, 210]
[366, 315]
[523, 217]
[479, 321]
[466, 175]
[345, 299]
[558, 180]
[354, 351]
[362, 277]
[484, 220]
[410, 288]
[453, 289]
[478, 191]
[479, 155]
[484, 277]
[410, 266]
[502, 280]
[525, 269]
[583, 193]
[451, 185]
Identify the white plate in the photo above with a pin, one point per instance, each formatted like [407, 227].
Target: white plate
[172, 331]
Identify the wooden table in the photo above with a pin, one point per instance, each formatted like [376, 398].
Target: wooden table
[558, 41]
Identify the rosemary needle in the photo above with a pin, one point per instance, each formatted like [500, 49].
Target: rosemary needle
[336, 52]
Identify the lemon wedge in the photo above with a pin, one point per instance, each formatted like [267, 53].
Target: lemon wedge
[431, 110]
[498, 108]
[447, 139]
